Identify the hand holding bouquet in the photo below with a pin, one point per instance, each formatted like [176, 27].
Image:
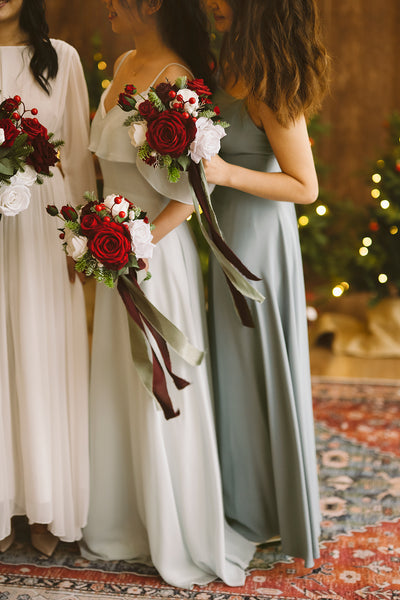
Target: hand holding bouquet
[27, 152]
[176, 126]
[109, 239]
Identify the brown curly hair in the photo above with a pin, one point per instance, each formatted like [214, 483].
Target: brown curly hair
[274, 48]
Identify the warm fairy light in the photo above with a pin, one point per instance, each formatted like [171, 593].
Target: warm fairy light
[102, 65]
[380, 163]
[363, 251]
[382, 278]
[385, 204]
[394, 230]
[337, 291]
[375, 193]
[105, 83]
[367, 241]
[303, 221]
[98, 56]
[321, 210]
[189, 218]
[345, 285]
[376, 178]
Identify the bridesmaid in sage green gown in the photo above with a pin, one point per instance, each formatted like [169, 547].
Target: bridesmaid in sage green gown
[262, 375]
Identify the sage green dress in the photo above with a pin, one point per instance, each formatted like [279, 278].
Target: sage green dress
[262, 375]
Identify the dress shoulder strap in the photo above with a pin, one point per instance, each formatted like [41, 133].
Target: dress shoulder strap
[121, 62]
[166, 67]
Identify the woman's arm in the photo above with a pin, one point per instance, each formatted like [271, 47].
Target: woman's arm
[173, 215]
[298, 180]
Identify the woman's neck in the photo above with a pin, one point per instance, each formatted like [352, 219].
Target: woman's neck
[11, 34]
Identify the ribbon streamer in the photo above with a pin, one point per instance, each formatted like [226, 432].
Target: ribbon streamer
[235, 271]
[144, 315]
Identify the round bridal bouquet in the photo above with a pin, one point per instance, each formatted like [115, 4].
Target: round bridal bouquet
[27, 151]
[173, 124]
[105, 238]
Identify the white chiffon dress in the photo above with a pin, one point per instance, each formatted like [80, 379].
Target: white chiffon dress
[43, 339]
[155, 484]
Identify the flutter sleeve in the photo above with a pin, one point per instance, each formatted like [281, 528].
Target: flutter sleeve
[76, 159]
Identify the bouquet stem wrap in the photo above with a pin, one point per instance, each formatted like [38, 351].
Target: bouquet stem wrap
[234, 270]
[145, 318]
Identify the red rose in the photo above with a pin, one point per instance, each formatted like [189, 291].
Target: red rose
[69, 213]
[170, 133]
[198, 86]
[162, 90]
[43, 156]
[10, 132]
[130, 89]
[33, 128]
[111, 245]
[90, 224]
[8, 106]
[86, 208]
[147, 110]
[126, 102]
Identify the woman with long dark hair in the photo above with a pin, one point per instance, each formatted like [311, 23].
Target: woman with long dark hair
[273, 73]
[43, 341]
[155, 484]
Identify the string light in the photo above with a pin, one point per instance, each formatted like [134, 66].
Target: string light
[367, 241]
[380, 163]
[105, 83]
[363, 251]
[394, 230]
[102, 65]
[376, 178]
[339, 289]
[321, 210]
[382, 278]
[385, 204]
[98, 56]
[303, 221]
[375, 193]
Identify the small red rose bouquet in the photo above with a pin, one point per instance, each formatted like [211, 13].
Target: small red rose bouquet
[108, 239]
[27, 151]
[105, 238]
[176, 126]
[173, 124]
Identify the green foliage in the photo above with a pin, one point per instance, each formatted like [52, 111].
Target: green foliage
[155, 100]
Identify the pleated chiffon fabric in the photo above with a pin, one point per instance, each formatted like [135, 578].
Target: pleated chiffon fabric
[156, 492]
[44, 373]
[262, 375]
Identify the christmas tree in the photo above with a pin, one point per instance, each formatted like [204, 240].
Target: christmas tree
[377, 263]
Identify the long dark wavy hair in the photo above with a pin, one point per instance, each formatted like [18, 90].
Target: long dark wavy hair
[274, 48]
[44, 62]
[184, 28]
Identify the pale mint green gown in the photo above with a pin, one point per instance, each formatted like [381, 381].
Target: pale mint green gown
[262, 375]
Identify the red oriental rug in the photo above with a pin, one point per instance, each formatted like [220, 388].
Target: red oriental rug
[358, 442]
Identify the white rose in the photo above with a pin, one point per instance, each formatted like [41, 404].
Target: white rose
[116, 208]
[141, 238]
[26, 177]
[14, 198]
[76, 244]
[207, 141]
[137, 133]
[2, 136]
[187, 95]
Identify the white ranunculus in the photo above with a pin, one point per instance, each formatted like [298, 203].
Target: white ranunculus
[187, 94]
[137, 133]
[207, 141]
[76, 244]
[2, 136]
[14, 198]
[116, 208]
[141, 238]
[26, 177]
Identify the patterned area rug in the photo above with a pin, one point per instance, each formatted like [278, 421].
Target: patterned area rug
[358, 440]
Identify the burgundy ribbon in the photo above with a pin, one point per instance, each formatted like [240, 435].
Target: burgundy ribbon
[160, 389]
[238, 298]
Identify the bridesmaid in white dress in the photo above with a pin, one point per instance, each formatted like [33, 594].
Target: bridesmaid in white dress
[155, 484]
[43, 341]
